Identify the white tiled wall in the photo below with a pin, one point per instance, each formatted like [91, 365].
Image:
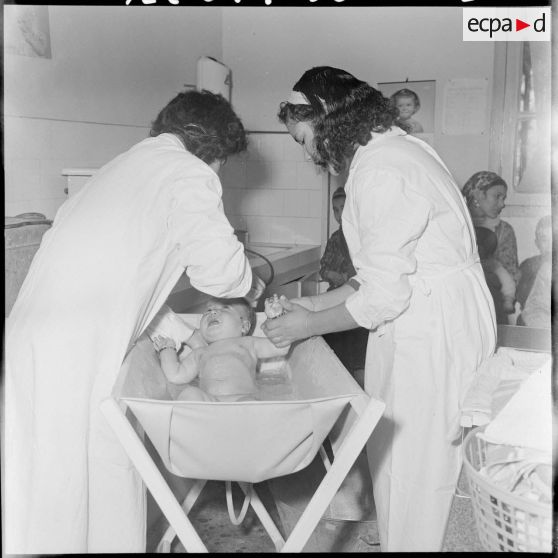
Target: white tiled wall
[275, 192]
[272, 190]
[36, 150]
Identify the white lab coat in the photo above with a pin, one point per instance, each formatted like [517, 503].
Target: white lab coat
[424, 296]
[103, 270]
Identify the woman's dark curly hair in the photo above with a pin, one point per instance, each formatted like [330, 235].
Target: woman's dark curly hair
[206, 124]
[343, 111]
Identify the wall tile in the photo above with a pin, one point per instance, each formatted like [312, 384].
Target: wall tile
[283, 174]
[271, 202]
[259, 229]
[309, 176]
[282, 230]
[292, 151]
[231, 203]
[296, 203]
[270, 147]
[250, 202]
[233, 174]
[315, 201]
[253, 153]
[308, 231]
[258, 174]
[97, 143]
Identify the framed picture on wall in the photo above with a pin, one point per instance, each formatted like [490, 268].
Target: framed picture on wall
[26, 31]
[415, 101]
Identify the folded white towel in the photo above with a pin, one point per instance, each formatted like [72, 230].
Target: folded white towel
[477, 405]
[169, 325]
[526, 420]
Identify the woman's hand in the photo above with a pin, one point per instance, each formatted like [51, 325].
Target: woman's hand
[288, 328]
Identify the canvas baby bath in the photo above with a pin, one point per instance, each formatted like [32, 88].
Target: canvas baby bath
[301, 399]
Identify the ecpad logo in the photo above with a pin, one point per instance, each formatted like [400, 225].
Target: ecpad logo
[506, 24]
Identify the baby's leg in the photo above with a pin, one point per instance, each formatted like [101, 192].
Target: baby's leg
[192, 393]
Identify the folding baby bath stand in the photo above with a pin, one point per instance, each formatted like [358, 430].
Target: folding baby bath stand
[245, 442]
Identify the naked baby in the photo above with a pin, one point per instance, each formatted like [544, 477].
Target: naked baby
[226, 366]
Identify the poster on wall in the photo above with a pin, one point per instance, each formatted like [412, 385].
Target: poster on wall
[415, 101]
[26, 31]
[465, 106]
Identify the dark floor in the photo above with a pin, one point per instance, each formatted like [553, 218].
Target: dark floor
[210, 518]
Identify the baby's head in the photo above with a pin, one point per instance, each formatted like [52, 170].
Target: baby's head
[227, 317]
[338, 203]
[407, 102]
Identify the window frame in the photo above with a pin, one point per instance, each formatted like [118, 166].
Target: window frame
[505, 116]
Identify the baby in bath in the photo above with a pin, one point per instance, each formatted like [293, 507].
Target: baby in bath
[226, 366]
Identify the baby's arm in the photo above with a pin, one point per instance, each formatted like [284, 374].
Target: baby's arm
[176, 371]
[264, 348]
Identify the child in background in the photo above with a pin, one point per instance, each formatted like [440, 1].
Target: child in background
[537, 310]
[407, 102]
[226, 365]
[530, 266]
[337, 268]
[498, 278]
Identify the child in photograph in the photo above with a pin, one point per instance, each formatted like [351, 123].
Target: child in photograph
[407, 102]
[226, 366]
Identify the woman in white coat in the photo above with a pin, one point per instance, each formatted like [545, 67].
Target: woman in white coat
[419, 289]
[103, 270]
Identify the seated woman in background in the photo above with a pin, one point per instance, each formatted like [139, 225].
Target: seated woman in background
[529, 267]
[485, 192]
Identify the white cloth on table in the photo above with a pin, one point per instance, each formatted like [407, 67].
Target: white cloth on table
[526, 420]
[519, 453]
[496, 381]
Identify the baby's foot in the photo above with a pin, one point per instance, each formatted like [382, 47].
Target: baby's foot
[273, 307]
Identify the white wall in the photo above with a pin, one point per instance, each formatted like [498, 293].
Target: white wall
[111, 70]
[275, 193]
[269, 49]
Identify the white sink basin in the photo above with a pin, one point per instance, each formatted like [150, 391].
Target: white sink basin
[266, 250]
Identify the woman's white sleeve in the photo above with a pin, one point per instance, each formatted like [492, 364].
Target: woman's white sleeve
[391, 216]
[209, 250]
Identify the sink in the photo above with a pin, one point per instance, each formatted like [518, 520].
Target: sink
[266, 250]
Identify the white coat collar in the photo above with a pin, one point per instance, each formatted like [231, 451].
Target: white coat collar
[376, 138]
[174, 139]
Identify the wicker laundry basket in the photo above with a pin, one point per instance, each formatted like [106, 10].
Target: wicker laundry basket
[505, 521]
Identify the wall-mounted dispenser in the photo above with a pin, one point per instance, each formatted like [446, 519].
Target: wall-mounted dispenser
[214, 76]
